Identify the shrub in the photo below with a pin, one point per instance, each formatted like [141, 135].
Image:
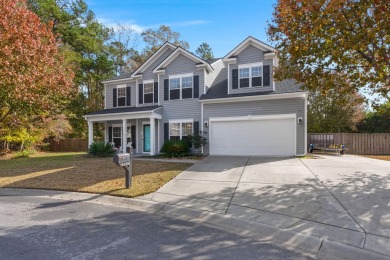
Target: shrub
[197, 140]
[175, 148]
[23, 154]
[101, 149]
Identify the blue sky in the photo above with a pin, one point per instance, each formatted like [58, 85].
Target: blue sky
[222, 24]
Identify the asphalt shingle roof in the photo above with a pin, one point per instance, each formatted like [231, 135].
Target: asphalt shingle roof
[220, 90]
[122, 110]
[122, 76]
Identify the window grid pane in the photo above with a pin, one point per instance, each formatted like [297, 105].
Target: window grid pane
[256, 71]
[186, 129]
[174, 129]
[116, 132]
[121, 92]
[244, 73]
[174, 83]
[186, 82]
[148, 88]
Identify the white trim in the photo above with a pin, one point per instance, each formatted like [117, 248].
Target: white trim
[254, 98]
[105, 96]
[180, 121]
[201, 121]
[136, 94]
[305, 127]
[204, 82]
[117, 80]
[148, 81]
[249, 41]
[228, 74]
[143, 137]
[176, 53]
[136, 135]
[143, 90]
[249, 65]
[158, 137]
[250, 117]
[120, 116]
[158, 89]
[155, 56]
[185, 120]
[117, 95]
[181, 75]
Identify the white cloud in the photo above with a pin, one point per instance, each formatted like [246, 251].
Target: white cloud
[140, 28]
[188, 23]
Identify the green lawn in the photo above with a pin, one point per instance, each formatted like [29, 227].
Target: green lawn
[80, 172]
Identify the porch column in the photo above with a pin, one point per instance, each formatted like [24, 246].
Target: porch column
[152, 136]
[90, 133]
[124, 135]
[106, 132]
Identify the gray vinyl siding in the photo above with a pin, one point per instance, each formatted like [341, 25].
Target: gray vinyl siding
[180, 108]
[250, 54]
[261, 107]
[216, 75]
[148, 73]
[109, 98]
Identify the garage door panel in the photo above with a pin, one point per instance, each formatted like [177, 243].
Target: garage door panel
[253, 137]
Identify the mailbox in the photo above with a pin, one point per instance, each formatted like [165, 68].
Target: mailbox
[122, 159]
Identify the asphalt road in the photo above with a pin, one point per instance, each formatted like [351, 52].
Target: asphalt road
[43, 228]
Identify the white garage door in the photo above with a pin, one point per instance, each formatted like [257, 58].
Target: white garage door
[264, 137]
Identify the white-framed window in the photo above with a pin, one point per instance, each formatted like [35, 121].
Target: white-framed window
[117, 136]
[250, 75]
[148, 92]
[121, 96]
[174, 83]
[179, 130]
[181, 86]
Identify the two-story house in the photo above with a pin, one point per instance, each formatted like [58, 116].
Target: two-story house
[234, 100]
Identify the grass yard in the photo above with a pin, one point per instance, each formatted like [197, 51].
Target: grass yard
[379, 157]
[80, 172]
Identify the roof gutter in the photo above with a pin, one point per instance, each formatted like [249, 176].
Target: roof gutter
[255, 98]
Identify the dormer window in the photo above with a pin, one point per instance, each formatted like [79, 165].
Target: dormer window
[251, 75]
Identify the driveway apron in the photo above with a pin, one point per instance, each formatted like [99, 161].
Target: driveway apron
[345, 199]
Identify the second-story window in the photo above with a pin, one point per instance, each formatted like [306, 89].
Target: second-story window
[251, 75]
[121, 97]
[148, 93]
[181, 87]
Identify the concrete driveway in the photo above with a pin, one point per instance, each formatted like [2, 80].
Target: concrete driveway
[344, 199]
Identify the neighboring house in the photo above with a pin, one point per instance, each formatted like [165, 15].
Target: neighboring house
[234, 100]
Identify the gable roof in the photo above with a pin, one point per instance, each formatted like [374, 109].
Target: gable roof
[179, 50]
[249, 41]
[154, 56]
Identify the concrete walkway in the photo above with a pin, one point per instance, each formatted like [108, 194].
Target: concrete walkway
[344, 199]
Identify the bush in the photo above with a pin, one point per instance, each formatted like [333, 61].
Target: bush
[175, 148]
[197, 140]
[101, 149]
[23, 154]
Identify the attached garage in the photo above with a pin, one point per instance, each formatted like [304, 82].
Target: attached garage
[271, 135]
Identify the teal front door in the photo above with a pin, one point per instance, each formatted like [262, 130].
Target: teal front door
[146, 138]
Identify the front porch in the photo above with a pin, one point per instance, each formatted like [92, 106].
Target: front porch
[138, 128]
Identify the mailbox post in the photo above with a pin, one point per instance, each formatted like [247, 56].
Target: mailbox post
[125, 160]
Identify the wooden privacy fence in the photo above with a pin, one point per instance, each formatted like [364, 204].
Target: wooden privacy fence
[374, 144]
[69, 145]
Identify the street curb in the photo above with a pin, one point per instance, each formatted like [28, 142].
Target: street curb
[305, 244]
